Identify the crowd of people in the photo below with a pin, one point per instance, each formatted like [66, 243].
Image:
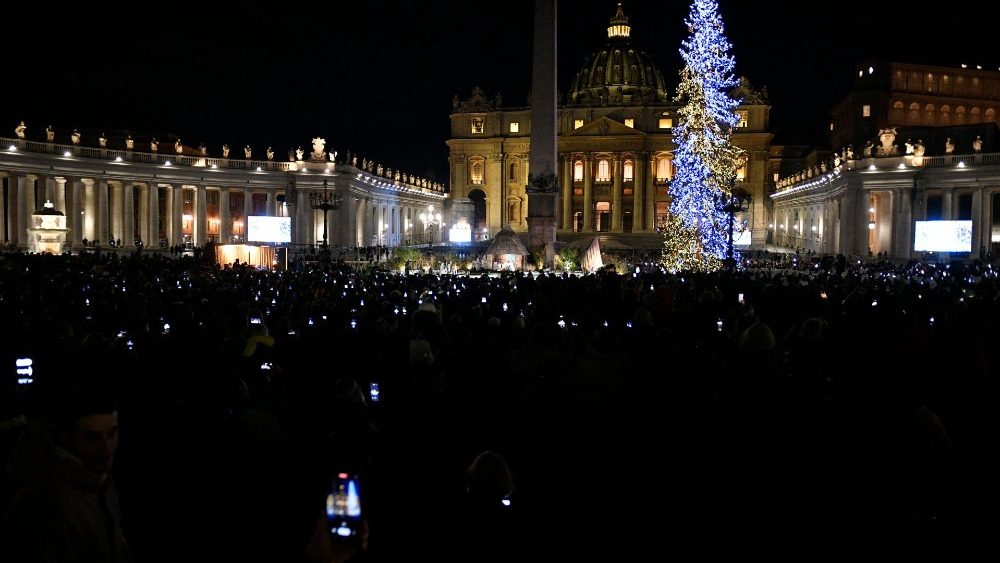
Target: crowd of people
[511, 416]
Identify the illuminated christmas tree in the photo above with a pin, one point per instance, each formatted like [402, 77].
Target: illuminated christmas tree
[706, 160]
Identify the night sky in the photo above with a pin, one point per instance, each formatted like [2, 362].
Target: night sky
[378, 77]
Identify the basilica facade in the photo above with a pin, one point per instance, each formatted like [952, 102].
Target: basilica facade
[615, 149]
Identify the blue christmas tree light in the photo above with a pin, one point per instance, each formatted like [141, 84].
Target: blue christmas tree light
[705, 158]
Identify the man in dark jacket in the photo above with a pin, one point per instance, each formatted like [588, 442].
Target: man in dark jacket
[66, 507]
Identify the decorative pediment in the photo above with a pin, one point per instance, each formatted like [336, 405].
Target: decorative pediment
[478, 102]
[604, 126]
[747, 95]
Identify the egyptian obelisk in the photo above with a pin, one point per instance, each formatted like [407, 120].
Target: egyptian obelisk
[543, 194]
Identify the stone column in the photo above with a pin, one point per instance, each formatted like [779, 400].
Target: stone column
[153, 210]
[75, 213]
[90, 210]
[4, 206]
[31, 201]
[978, 226]
[567, 192]
[59, 193]
[616, 194]
[128, 217]
[588, 193]
[142, 218]
[650, 207]
[225, 221]
[902, 232]
[638, 182]
[201, 215]
[103, 222]
[176, 214]
[248, 210]
[25, 205]
[270, 203]
[13, 207]
[947, 195]
[116, 212]
[346, 222]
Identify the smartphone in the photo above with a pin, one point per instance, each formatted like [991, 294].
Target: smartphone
[740, 299]
[25, 371]
[266, 365]
[374, 391]
[343, 507]
[255, 320]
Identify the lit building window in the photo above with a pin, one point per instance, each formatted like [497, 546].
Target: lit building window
[629, 122]
[477, 125]
[663, 169]
[744, 118]
[515, 127]
[577, 123]
[578, 171]
[476, 172]
[662, 212]
[741, 172]
[603, 171]
[629, 171]
[866, 110]
[831, 126]
[776, 177]
[666, 122]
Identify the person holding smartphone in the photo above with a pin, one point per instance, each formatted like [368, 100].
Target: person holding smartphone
[329, 542]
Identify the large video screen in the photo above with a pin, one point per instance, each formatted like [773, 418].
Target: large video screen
[943, 236]
[269, 229]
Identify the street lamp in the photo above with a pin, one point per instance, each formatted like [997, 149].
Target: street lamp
[326, 201]
[739, 202]
[430, 219]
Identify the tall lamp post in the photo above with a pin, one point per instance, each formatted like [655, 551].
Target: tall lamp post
[430, 219]
[326, 201]
[739, 202]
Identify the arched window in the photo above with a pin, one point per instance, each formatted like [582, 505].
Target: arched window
[960, 115]
[897, 111]
[578, 171]
[945, 117]
[663, 172]
[991, 114]
[476, 167]
[629, 171]
[514, 168]
[603, 170]
[974, 115]
[929, 114]
[914, 117]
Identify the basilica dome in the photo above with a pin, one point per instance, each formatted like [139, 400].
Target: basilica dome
[618, 74]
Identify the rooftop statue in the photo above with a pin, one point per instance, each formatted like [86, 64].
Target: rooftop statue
[318, 144]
